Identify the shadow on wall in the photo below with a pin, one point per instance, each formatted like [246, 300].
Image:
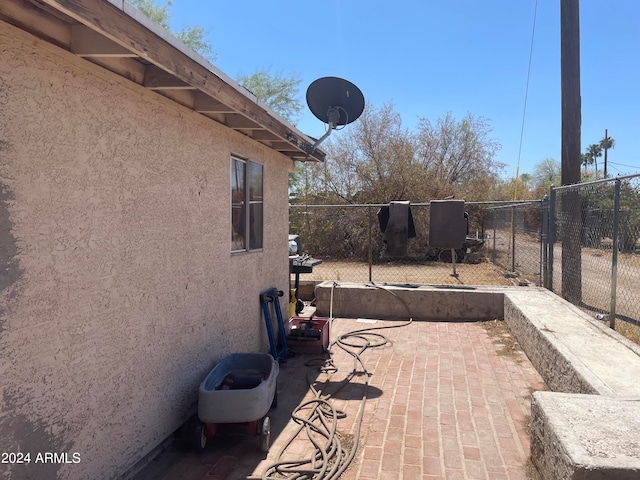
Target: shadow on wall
[17, 431]
[10, 271]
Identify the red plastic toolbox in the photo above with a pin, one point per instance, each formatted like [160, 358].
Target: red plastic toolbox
[308, 335]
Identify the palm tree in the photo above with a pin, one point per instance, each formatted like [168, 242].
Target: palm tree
[587, 159]
[606, 143]
[594, 151]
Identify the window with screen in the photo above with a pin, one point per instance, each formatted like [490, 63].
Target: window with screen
[246, 205]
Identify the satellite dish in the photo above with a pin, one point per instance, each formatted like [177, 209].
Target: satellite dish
[333, 98]
[334, 101]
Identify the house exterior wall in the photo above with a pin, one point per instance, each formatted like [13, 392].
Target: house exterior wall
[119, 291]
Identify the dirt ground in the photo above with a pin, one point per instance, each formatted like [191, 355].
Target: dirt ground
[500, 335]
[596, 273]
[428, 273]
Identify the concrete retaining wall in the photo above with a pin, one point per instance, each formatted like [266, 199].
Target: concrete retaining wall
[422, 302]
[572, 351]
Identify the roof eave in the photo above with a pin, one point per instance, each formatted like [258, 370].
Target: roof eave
[118, 37]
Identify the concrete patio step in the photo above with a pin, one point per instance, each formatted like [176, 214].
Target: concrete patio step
[572, 351]
[577, 436]
[585, 437]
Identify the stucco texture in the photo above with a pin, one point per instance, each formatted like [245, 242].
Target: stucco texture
[119, 291]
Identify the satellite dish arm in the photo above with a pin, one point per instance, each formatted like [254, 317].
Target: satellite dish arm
[321, 139]
[334, 117]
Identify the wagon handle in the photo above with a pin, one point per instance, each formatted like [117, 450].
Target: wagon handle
[270, 298]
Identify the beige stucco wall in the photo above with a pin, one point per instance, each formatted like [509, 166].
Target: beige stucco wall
[119, 292]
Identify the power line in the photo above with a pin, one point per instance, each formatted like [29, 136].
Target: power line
[621, 172]
[526, 96]
[526, 92]
[623, 165]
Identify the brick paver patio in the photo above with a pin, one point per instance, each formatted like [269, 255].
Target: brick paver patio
[446, 400]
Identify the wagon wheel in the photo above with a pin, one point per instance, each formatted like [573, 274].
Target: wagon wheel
[445, 255]
[200, 437]
[264, 431]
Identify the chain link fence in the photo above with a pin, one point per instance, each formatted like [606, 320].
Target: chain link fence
[592, 249]
[582, 243]
[349, 240]
[514, 233]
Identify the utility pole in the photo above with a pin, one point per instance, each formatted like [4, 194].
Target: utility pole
[570, 87]
[571, 158]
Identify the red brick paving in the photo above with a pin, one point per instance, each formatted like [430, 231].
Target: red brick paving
[443, 403]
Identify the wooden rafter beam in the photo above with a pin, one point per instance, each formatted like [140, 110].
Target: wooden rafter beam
[264, 135]
[240, 122]
[36, 20]
[283, 146]
[157, 79]
[88, 43]
[203, 103]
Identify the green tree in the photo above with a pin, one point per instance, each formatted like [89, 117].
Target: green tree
[281, 93]
[524, 187]
[195, 37]
[377, 160]
[371, 161]
[278, 91]
[629, 215]
[526, 178]
[457, 152]
[506, 188]
[192, 35]
[157, 12]
[545, 173]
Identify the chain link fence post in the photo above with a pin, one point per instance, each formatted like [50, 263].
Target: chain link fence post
[513, 238]
[614, 254]
[493, 250]
[552, 235]
[544, 244]
[370, 245]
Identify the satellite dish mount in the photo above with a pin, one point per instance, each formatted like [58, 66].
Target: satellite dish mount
[333, 116]
[336, 102]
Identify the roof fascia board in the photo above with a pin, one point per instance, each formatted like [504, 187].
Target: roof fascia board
[130, 28]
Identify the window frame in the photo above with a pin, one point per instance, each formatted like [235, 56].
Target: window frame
[252, 240]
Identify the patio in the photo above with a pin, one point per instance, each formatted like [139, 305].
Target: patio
[445, 400]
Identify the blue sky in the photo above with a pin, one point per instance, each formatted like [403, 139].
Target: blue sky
[430, 57]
